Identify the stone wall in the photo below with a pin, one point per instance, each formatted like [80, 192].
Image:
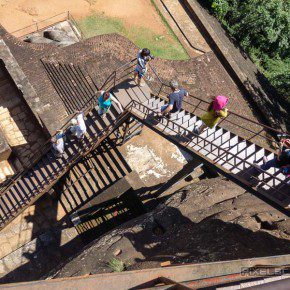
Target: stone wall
[20, 128]
[23, 62]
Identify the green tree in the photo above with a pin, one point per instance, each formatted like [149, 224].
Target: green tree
[263, 30]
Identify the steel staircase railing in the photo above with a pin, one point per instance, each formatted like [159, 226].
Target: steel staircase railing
[128, 68]
[143, 115]
[120, 74]
[45, 186]
[135, 104]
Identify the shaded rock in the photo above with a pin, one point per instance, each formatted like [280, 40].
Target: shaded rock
[56, 35]
[117, 252]
[248, 222]
[284, 226]
[202, 222]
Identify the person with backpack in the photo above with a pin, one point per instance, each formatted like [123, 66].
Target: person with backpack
[281, 161]
[215, 112]
[105, 100]
[143, 57]
[175, 100]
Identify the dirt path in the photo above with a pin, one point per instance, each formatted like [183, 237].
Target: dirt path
[20, 13]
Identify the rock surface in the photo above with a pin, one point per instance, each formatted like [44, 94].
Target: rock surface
[211, 220]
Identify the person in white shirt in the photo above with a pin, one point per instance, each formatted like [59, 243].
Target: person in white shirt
[58, 143]
[78, 127]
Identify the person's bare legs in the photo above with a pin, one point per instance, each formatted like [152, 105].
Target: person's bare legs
[137, 79]
[199, 127]
[202, 128]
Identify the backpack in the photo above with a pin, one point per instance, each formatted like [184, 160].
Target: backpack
[284, 159]
[220, 102]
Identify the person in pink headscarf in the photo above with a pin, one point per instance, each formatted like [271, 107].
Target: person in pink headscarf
[215, 111]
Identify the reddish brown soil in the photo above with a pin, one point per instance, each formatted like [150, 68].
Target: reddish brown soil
[20, 13]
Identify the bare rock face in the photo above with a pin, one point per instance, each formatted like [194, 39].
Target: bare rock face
[210, 220]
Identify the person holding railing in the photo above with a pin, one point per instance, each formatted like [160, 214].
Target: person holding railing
[215, 112]
[175, 100]
[105, 100]
[143, 57]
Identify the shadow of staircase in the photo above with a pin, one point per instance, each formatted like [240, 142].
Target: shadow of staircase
[96, 172]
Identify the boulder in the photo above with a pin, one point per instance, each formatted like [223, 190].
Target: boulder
[38, 39]
[56, 35]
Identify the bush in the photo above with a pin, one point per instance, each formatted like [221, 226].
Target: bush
[220, 7]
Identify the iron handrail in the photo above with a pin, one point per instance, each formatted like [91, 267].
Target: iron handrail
[212, 144]
[113, 74]
[207, 102]
[72, 19]
[75, 158]
[62, 13]
[45, 148]
[230, 113]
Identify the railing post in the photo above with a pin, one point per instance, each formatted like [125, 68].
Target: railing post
[197, 106]
[115, 77]
[160, 89]
[126, 130]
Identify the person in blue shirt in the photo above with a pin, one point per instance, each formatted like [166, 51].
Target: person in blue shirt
[175, 100]
[105, 100]
[143, 57]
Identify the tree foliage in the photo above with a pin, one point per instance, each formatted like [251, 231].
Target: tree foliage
[263, 30]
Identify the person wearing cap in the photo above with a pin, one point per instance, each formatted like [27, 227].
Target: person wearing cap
[175, 100]
[215, 112]
[58, 143]
[105, 100]
[78, 126]
[143, 57]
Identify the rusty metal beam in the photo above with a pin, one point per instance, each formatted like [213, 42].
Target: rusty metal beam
[130, 279]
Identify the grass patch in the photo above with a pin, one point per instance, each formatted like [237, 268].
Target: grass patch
[165, 46]
[116, 265]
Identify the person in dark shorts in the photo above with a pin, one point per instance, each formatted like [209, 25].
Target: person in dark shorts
[175, 100]
[143, 57]
[281, 161]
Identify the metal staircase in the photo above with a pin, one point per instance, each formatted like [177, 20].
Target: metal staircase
[36, 181]
[220, 148]
[236, 156]
[230, 154]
